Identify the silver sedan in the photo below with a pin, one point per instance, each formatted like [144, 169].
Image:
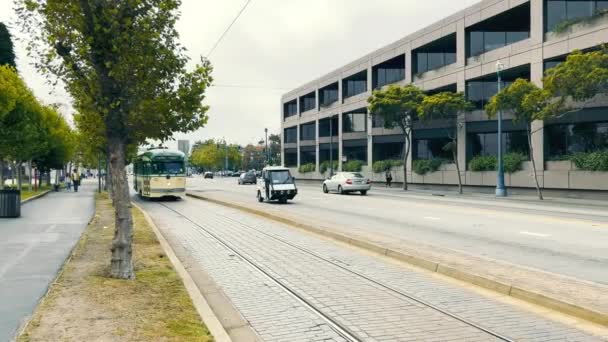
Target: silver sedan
[345, 182]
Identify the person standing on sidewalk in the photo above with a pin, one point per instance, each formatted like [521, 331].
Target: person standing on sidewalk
[389, 178]
[68, 182]
[76, 180]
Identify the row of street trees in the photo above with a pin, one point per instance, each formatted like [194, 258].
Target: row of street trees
[30, 132]
[567, 88]
[210, 155]
[122, 63]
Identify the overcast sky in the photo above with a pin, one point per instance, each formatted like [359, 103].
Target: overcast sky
[275, 45]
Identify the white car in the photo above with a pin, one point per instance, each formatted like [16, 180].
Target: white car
[345, 182]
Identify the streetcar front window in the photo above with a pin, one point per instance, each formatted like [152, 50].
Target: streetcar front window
[168, 168]
[281, 177]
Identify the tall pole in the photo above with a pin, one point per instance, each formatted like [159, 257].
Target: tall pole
[98, 172]
[500, 176]
[266, 140]
[331, 146]
[225, 155]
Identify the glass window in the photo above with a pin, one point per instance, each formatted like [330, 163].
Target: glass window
[280, 177]
[436, 60]
[290, 109]
[580, 9]
[431, 148]
[513, 37]
[388, 151]
[354, 122]
[486, 144]
[308, 156]
[601, 5]
[354, 87]
[475, 93]
[476, 44]
[291, 135]
[450, 58]
[555, 13]
[167, 168]
[355, 153]
[328, 152]
[494, 40]
[574, 138]
[307, 131]
[291, 157]
[377, 121]
[422, 66]
[324, 127]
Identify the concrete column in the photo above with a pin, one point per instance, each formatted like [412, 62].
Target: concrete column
[461, 127]
[298, 143]
[370, 83]
[317, 144]
[340, 97]
[536, 22]
[461, 55]
[408, 65]
[340, 141]
[317, 107]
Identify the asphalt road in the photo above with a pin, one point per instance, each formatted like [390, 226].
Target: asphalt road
[558, 239]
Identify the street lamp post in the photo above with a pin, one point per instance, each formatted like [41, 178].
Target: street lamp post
[331, 147]
[501, 191]
[266, 142]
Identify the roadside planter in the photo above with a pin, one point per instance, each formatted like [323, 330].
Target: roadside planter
[10, 203]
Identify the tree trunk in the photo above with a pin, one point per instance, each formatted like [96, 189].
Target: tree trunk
[538, 190]
[122, 250]
[1, 174]
[18, 166]
[405, 157]
[455, 158]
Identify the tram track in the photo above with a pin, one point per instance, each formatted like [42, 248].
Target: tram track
[340, 329]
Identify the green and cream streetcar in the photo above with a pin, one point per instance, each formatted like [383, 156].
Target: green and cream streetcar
[160, 172]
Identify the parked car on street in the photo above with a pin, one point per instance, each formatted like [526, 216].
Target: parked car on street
[247, 178]
[208, 175]
[345, 182]
[276, 184]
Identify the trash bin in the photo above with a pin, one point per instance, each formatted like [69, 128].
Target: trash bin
[10, 203]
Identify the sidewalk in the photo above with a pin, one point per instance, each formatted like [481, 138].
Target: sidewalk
[34, 247]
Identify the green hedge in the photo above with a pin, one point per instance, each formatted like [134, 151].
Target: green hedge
[385, 165]
[324, 166]
[352, 166]
[591, 161]
[512, 162]
[483, 163]
[306, 168]
[424, 166]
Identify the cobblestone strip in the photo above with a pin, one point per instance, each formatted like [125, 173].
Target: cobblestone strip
[373, 312]
[274, 314]
[286, 262]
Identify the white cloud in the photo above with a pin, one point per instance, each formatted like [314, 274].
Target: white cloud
[274, 44]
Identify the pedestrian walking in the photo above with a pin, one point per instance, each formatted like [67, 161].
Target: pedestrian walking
[76, 180]
[68, 183]
[389, 178]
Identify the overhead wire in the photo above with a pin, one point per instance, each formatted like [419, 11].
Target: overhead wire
[228, 28]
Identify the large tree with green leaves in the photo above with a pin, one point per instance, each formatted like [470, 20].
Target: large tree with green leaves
[527, 102]
[398, 107]
[576, 82]
[7, 50]
[446, 107]
[120, 61]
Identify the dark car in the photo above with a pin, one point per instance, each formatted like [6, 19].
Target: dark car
[248, 178]
[208, 175]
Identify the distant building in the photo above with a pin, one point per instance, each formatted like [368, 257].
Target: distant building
[184, 146]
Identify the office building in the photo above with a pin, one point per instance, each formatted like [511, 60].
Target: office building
[328, 118]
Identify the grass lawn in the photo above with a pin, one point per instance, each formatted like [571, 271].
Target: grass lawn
[86, 305]
[25, 194]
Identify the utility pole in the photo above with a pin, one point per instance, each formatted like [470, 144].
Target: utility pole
[331, 147]
[266, 139]
[500, 176]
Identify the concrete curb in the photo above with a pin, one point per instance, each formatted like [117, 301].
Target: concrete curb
[200, 303]
[512, 290]
[42, 194]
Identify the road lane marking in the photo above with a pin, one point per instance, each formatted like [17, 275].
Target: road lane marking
[432, 218]
[534, 234]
